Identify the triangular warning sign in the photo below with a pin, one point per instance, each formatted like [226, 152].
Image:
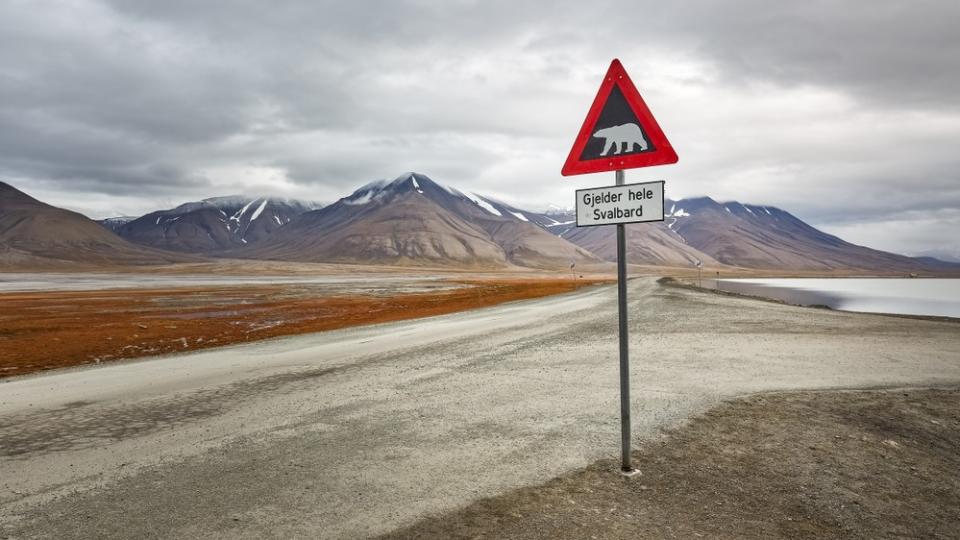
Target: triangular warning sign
[619, 132]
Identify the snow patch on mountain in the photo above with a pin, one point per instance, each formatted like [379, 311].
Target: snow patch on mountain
[378, 189]
[243, 211]
[259, 210]
[118, 220]
[673, 216]
[362, 199]
[556, 209]
[481, 203]
[366, 193]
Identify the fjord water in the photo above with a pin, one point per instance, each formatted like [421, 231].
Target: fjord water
[935, 297]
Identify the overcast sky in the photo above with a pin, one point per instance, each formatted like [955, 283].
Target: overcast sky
[845, 113]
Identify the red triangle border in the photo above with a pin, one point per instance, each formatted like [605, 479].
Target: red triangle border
[663, 154]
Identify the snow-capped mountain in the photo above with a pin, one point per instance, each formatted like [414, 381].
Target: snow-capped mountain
[213, 225]
[755, 236]
[736, 234]
[414, 220]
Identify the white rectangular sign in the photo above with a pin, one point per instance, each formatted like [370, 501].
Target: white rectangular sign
[629, 203]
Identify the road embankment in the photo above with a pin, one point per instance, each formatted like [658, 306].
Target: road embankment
[838, 464]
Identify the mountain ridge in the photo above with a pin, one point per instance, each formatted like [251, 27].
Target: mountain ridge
[412, 220]
[212, 225]
[36, 234]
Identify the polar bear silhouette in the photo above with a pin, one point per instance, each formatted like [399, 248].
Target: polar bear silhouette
[615, 137]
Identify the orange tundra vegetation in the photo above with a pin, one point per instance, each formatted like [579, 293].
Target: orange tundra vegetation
[48, 330]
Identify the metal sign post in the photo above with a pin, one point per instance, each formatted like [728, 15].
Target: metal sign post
[619, 133]
[625, 466]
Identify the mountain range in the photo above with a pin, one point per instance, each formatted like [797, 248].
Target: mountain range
[212, 225]
[740, 235]
[414, 221]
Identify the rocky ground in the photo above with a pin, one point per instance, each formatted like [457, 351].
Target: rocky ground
[841, 464]
[358, 432]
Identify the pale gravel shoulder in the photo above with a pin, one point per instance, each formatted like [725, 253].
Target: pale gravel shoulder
[94, 281]
[353, 433]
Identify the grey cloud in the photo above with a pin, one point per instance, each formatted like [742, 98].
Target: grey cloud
[919, 233]
[85, 159]
[160, 179]
[443, 155]
[120, 83]
[128, 96]
[904, 54]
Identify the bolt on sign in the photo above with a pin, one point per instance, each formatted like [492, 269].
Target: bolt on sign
[619, 133]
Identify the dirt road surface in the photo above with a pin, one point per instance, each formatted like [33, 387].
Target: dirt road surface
[359, 432]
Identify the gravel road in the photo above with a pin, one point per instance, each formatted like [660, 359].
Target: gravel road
[358, 432]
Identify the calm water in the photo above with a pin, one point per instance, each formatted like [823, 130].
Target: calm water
[939, 297]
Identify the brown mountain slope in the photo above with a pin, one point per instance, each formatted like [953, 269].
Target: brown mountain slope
[767, 237]
[35, 234]
[413, 220]
[405, 231]
[654, 244]
[523, 242]
[647, 243]
[734, 234]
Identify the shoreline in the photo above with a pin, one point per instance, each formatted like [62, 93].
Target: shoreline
[674, 282]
